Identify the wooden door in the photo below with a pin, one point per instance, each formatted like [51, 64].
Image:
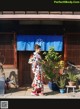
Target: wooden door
[25, 74]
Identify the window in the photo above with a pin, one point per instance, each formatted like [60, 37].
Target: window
[8, 49]
[73, 48]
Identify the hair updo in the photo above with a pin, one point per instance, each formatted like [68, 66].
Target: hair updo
[37, 46]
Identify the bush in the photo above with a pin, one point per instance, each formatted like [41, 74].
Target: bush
[51, 64]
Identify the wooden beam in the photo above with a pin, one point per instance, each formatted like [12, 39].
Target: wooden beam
[8, 12]
[19, 12]
[39, 16]
[31, 12]
[55, 12]
[67, 12]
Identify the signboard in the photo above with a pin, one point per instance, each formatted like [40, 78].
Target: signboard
[39, 5]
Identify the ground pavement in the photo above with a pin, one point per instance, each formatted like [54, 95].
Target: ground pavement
[25, 93]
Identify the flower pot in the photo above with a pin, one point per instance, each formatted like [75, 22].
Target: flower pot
[53, 86]
[62, 91]
[71, 83]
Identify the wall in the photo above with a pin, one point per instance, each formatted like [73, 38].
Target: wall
[12, 74]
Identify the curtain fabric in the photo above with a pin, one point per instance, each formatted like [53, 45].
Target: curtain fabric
[27, 42]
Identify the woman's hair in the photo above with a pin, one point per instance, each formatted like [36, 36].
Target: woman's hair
[37, 46]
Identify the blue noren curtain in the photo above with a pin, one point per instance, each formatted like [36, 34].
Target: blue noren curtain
[27, 42]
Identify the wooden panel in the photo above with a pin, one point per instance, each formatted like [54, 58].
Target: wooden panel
[72, 48]
[25, 74]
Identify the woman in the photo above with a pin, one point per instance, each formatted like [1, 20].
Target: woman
[37, 83]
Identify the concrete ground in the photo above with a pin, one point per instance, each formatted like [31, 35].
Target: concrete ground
[25, 93]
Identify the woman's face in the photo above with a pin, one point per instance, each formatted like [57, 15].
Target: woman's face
[38, 50]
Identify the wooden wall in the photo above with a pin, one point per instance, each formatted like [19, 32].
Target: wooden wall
[72, 48]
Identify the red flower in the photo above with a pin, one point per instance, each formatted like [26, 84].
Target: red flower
[34, 85]
[39, 77]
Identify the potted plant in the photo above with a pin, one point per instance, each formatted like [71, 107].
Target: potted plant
[72, 78]
[61, 83]
[51, 66]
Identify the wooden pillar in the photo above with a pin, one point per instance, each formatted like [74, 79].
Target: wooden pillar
[15, 51]
[65, 48]
[20, 69]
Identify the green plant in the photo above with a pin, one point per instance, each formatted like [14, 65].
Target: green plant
[61, 63]
[51, 65]
[71, 77]
[61, 82]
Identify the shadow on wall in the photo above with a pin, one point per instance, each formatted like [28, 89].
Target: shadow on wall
[13, 76]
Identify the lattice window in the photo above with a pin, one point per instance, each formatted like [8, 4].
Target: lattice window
[7, 49]
[73, 48]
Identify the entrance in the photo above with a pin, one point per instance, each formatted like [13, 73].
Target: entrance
[25, 74]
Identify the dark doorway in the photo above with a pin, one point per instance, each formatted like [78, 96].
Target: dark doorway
[25, 74]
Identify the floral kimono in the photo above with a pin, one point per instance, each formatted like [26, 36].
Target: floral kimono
[37, 83]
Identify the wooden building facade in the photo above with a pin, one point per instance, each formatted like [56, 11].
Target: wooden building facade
[10, 27]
